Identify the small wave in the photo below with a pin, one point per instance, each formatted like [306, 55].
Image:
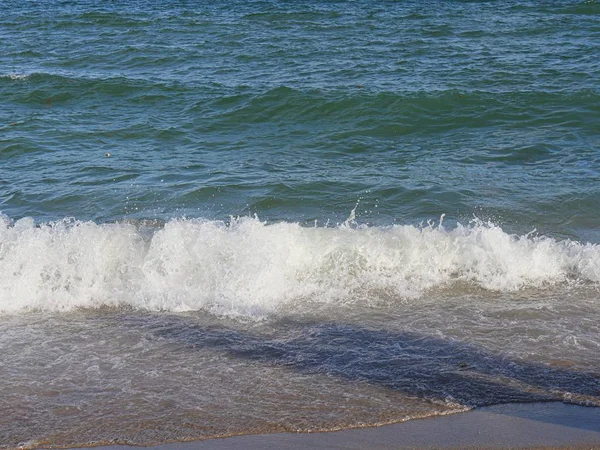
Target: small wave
[586, 7]
[250, 268]
[384, 113]
[16, 76]
[34, 76]
[107, 84]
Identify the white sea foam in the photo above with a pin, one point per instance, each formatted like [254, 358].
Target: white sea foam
[16, 76]
[250, 268]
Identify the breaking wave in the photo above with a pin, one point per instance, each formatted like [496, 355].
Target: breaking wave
[250, 268]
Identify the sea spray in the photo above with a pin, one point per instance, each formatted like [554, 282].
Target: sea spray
[250, 268]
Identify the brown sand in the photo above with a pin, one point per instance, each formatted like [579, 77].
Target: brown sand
[513, 426]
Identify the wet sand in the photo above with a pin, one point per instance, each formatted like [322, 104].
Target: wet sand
[513, 426]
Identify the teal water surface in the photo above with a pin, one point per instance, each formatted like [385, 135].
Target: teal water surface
[296, 112]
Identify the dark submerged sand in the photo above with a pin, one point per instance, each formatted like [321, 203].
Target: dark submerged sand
[511, 426]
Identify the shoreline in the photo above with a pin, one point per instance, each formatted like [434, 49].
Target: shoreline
[545, 425]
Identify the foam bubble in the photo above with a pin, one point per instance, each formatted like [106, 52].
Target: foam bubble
[250, 268]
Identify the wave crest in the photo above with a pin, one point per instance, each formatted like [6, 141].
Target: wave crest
[250, 268]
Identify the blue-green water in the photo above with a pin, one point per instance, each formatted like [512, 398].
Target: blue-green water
[189, 176]
[295, 112]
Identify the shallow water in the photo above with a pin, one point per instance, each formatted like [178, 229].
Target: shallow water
[268, 216]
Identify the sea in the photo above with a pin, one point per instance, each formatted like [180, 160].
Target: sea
[234, 217]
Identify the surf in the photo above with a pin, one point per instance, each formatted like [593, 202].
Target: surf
[252, 268]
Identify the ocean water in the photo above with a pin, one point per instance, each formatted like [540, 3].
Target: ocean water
[222, 218]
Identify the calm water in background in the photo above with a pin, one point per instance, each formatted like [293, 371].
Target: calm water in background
[313, 216]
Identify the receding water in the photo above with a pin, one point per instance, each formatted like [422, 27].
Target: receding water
[248, 217]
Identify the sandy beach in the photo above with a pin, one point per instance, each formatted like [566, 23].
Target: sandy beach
[511, 426]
